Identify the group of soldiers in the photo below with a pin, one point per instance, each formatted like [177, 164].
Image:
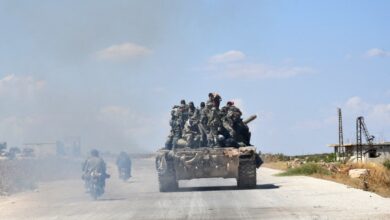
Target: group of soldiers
[207, 126]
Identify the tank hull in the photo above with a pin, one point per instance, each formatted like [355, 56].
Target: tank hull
[188, 163]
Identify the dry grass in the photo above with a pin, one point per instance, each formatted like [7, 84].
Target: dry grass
[278, 165]
[377, 180]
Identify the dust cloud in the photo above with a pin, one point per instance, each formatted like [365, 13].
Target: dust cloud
[108, 108]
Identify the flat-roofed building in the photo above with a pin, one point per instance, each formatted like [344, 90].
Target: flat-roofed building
[377, 152]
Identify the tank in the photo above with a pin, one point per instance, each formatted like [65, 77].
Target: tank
[208, 162]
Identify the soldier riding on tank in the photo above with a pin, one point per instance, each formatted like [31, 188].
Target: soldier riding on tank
[211, 143]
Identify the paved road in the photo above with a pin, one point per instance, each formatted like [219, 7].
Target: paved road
[274, 198]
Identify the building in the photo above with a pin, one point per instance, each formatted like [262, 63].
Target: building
[375, 152]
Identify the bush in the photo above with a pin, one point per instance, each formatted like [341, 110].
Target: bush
[306, 169]
[282, 157]
[330, 158]
[387, 164]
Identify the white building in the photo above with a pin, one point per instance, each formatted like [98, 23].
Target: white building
[378, 154]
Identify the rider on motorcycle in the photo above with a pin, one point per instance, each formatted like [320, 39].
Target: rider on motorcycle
[123, 163]
[94, 164]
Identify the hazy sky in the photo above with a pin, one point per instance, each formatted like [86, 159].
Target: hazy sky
[110, 71]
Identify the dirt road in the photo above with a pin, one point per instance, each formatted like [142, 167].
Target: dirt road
[274, 198]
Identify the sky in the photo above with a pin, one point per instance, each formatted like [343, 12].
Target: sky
[109, 72]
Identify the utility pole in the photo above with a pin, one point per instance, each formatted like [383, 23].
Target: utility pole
[341, 149]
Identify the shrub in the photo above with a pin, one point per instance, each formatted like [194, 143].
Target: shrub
[387, 164]
[281, 157]
[306, 169]
[330, 158]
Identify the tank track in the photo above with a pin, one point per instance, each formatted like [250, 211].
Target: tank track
[246, 174]
[167, 180]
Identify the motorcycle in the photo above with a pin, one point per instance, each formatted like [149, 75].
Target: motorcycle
[95, 184]
[124, 173]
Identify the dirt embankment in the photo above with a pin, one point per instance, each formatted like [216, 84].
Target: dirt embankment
[24, 174]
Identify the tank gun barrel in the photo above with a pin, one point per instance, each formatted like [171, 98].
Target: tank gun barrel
[249, 119]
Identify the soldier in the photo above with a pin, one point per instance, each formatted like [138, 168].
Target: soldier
[233, 112]
[217, 100]
[177, 127]
[191, 133]
[225, 109]
[211, 99]
[97, 164]
[214, 124]
[232, 122]
[214, 99]
[184, 111]
[123, 163]
[228, 125]
[202, 106]
[205, 113]
[231, 115]
[168, 143]
[203, 120]
[183, 103]
[243, 134]
[192, 111]
[177, 134]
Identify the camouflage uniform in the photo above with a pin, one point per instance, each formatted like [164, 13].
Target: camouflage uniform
[97, 164]
[238, 130]
[214, 99]
[214, 124]
[203, 121]
[192, 111]
[243, 133]
[168, 143]
[210, 101]
[94, 164]
[217, 100]
[183, 112]
[226, 122]
[191, 133]
[177, 126]
[231, 117]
